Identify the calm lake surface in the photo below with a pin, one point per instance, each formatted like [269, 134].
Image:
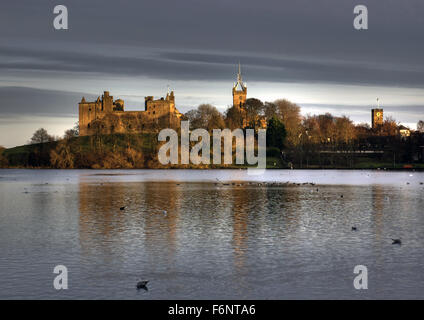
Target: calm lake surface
[226, 235]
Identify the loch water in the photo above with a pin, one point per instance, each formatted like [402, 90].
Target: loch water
[211, 234]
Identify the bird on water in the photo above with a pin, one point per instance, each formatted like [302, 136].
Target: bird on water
[142, 284]
[397, 241]
[354, 229]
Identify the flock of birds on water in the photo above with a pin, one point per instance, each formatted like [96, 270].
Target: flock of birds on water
[394, 241]
[142, 284]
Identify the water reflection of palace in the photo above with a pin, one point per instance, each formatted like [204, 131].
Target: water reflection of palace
[194, 211]
[103, 226]
[240, 210]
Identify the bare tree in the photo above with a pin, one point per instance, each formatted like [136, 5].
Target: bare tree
[253, 110]
[205, 116]
[312, 129]
[270, 110]
[363, 130]
[62, 157]
[3, 159]
[289, 114]
[41, 136]
[233, 118]
[345, 130]
[71, 133]
[420, 126]
[389, 127]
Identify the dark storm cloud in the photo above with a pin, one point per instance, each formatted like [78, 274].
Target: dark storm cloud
[292, 41]
[215, 67]
[299, 41]
[29, 101]
[41, 102]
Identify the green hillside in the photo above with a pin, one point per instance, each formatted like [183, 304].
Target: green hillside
[114, 151]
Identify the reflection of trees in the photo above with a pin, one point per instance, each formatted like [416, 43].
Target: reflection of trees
[142, 225]
[99, 220]
[285, 202]
[378, 206]
[241, 205]
[227, 215]
[158, 228]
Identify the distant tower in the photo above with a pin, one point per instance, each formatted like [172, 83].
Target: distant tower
[377, 116]
[239, 91]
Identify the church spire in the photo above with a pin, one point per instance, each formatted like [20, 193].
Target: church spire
[239, 73]
[239, 90]
[239, 85]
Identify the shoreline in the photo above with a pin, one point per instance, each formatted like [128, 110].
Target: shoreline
[223, 168]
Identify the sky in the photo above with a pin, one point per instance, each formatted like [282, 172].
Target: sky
[302, 50]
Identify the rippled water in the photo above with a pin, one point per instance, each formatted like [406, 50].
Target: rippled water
[225, 235]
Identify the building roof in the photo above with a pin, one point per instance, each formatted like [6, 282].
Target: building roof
[239, 86]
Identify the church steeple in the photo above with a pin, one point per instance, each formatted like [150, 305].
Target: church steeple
[239, 73]
[239, 90]
[239, 85]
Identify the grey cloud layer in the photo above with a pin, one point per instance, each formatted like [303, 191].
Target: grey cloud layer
[211, 67]
[14, 101]
[41, 102]
[277, 40]
[29, 101]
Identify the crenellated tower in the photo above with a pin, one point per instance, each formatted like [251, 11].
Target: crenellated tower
[377, 116]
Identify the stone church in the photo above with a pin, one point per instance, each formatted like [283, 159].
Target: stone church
[106, 116]
[239, 101]
[239, 91]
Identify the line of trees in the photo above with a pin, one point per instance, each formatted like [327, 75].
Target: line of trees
[42, 136]
[296, 139]
[322, 129]
[3, 159]
[307, 138]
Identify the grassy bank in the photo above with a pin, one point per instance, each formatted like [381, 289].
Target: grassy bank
[128, 151]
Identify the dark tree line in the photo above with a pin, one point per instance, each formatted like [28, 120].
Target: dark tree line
[300, 141]
[322, 139]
